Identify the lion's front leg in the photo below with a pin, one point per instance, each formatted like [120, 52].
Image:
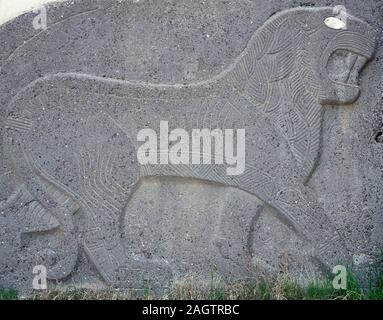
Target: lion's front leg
[308, 217]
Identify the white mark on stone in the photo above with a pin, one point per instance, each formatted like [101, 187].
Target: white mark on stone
[335, 23]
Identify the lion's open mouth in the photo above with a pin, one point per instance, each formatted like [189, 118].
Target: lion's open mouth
[344, 66]
[342, 60]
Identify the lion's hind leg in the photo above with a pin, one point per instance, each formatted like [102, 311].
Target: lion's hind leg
[234, 238]
[54, 199]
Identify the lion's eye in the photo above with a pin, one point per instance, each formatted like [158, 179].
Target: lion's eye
[334, 23]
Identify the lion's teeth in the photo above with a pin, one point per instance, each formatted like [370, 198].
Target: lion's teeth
[360, 61]
[351, 59]
[344, 67]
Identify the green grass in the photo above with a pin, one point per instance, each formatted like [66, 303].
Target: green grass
[354, 291]
[319, 290]
[375, 290]
[8, 294]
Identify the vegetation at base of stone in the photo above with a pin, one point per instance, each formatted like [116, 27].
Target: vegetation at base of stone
[282, 287]
[8, 294]
[81, 294]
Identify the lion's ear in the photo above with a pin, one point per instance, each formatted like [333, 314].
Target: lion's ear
[308, 21]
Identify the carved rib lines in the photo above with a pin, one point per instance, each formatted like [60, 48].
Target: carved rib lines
[21, 124]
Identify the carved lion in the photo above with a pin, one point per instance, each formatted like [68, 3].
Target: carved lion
[292, 66]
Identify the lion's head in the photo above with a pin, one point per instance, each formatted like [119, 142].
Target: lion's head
[297, 61]
[337, 47]
[325, 49]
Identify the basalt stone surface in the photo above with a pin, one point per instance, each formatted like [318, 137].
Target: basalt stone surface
[73, 98]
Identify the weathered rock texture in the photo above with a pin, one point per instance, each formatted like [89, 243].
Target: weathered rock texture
[73, 97]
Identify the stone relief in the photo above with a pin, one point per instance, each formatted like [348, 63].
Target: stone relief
[70, 137]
